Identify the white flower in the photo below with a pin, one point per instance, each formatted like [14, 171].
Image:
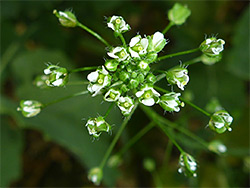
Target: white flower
[187, 164]
[170, 102]
[126, 105]
[99, 79]
[212, 46]
[97, 125]
[148, 96]
[30, 108]
[178, 76]
[112, 95]
[118, 24]
[138, 46]
[156, 42]
[119, 53]
[57, 76]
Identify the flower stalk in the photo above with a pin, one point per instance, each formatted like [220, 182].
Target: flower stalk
[177, 54]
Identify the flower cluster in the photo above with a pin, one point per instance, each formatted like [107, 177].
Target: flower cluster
[126, 77]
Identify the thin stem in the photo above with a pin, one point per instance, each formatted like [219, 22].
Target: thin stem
[196, 107]
[117, 136]
[154, 116]
[177, 54]
[193, 61]
[123, 40]
[168, 151]
[133, 140]
[170, 24]
[83, 69]
[108, 111]
[93, 33]
[157, 180]
[186, 101]
[159, 77]
[64, 98]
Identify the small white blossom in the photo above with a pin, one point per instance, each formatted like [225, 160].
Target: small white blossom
[57, 76]
[178, 76]
[99, 79]
[66, 18]
[118, 24]
[170, 102]
[156, 42]
[112, 95]
[148, 96]
[119, 53]
[212, 46]
[138, 46]
[30, 108]
[188, 165]
[126, 105]
[97, 125]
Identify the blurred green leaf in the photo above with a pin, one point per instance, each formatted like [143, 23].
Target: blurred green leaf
[238, 57]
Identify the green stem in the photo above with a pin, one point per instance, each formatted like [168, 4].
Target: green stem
[177, 54]
[193, 61]
[64, 98]
[117, 136]
[93, 33]
[186, 101]
[154, 116]
[196, 107]
[170, 24]
[108, 111]
[161, 76]
[83, 69]
[157, 180]
[168, 151]
[123, 40]
[133, 140]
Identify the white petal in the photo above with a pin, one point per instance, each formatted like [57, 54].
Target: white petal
[27, 103]
[148, 102]
[47, 71]
[134, 40]
[139, 93]
[219, 125]
[158, 36]
[57, 82]
[111, 25]
[133, 53]
[155, 92]
[144, 43]
[92, 77]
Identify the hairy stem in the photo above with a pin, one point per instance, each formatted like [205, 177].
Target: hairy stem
[108, 111]
[177, 54]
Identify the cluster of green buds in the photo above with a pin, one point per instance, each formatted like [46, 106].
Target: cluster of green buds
[126, 77]
[220, 121]
[212, 48]
[188, 165]
[30, 108]
[97, 125]
[56, 76]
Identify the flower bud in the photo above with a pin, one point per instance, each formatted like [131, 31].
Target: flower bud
[126, 105]
[111, 65]
[66, 18]
[57, 76]
[133, 83]
[170, 102]
[187, 164]
[151, 78]
[178, 14]
[148, 96]
[95, 175]
[178, 76]
[30, 108]
[210, 60]
[220, 121]
[217, 147]
[150, 57]
[114, 161]
[117, 24]
[124, 88]
[212, 46]
[97, 125]
[99, 80]
[138, 46]
[123, 75]
[40, 81]
[112, 95]
[149, 164]
[118, 53]
[144, 66]
[156, 42]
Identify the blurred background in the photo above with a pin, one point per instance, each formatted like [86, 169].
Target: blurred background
[54, 148]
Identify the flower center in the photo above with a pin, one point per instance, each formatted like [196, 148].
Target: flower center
[112, 95]
[140, 48]
[100, 81]
[122, 54]
[126, 104]
[147, 95]
[118, 21]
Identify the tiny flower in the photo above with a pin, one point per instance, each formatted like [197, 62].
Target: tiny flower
[66, 18]
[178, 76]
[156, 42]
[111, 65]
[99, 79]
[119, 53]
[148, 96]
[178, 14]
[220, 121]
[95, 175]
[144, 66]
[126, 105]
[118, 24]
[138, 46]
[212, 46]
[40, 81]
[97, 125]
[217, 147]
[187, 164]
[170, 102]
[57, 76]
[30, 108]
[112, 95]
